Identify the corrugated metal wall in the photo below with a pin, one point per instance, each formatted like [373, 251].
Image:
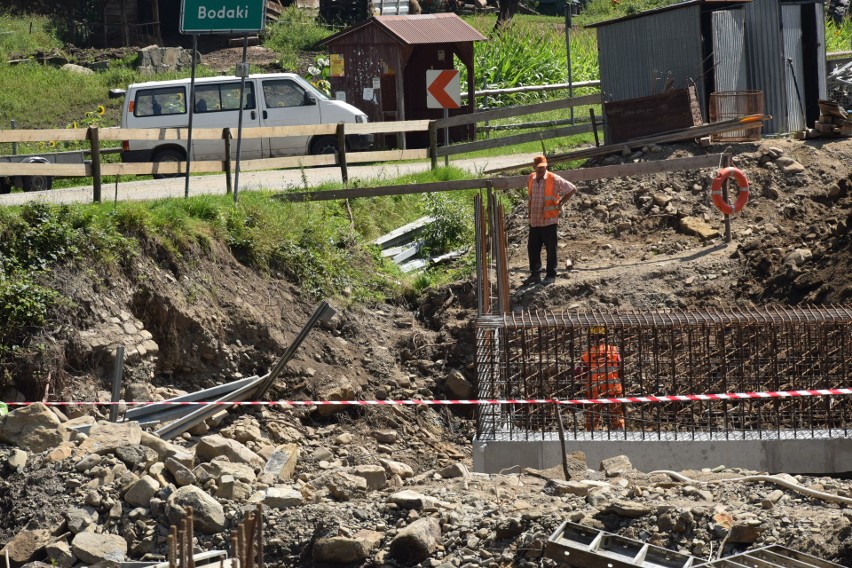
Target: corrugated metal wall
[821, 70]
[765, 57]
[794, 69]
[729, 58]
[667, 42]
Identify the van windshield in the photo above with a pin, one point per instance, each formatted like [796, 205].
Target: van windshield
[316, 92]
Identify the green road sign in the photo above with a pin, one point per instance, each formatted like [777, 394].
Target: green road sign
[222, 16]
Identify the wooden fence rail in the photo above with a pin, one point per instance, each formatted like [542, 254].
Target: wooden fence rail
[95, 136]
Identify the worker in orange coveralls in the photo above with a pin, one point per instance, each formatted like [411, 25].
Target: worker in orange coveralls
[601, 370]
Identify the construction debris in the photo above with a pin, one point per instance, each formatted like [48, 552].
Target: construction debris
[833, 121]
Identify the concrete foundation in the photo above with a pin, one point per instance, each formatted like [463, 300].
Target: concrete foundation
[772, 452]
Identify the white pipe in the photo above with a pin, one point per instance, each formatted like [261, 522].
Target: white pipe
[831, 497]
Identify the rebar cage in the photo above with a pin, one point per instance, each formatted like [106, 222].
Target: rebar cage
[537, 356]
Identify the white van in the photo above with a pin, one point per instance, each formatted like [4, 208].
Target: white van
[275, 99]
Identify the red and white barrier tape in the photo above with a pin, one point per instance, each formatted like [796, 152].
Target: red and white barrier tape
[480, 402]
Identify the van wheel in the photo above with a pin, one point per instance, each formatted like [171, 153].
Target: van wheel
[324, 145]
[36, 183]
[168, 156]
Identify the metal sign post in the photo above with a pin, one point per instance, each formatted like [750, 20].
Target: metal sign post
[242, 72]
[223, 17]
[443, 91]
[568, 6]
[190, 106]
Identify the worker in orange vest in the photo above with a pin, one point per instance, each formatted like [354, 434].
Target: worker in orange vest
[547, 192]
[601, 371]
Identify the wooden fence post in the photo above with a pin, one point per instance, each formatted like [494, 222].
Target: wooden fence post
[433, 143]
[226, 135]
[727, 162]
[341, 151]
[95, 147]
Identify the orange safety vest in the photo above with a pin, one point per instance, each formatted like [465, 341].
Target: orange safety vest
[603, 363]
[551, 200]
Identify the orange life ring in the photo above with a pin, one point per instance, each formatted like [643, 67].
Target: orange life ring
[742, 195]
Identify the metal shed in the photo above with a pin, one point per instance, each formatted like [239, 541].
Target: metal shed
[723, 46]
[380, 66]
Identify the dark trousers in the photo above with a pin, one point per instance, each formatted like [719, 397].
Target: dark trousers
[546, 237]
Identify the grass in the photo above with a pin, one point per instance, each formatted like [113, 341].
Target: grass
[23, 36]
[295, 33]
[838, 37]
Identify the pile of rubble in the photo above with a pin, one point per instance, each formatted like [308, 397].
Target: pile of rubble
[335, 497]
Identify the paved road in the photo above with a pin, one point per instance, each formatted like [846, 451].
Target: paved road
[274, 180]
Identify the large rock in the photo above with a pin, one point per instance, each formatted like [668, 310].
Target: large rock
[416, 542]
[107, 437]
[458, 387]
[215, 445]
[404, 471]
[208, 514]
[346, 550]
[92, 548]
[33, 427]
[282, 463]
[341, 389]
[697, 227]
[412, 500]
[141, 492]
[24, 545]
[219, 468]
[280, 498]
[154, 59]
[166, 450]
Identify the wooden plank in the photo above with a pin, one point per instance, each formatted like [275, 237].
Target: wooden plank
[379, 191]
[510, 112]
[148, 168]
[685, 134]
[642, 168]
[259, 132]
[514, 139]
[392, 127]
[288, 162]
[387, 156]
[36, 169]
[48, 135]
[513, 182]
[403, 234]
[534, 88]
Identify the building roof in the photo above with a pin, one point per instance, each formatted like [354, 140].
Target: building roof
[419, 29]
[717, 4]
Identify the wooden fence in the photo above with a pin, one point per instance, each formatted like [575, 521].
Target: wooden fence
[97, 170]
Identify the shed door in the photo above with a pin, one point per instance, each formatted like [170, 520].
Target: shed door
[794, 67]
[729, 51]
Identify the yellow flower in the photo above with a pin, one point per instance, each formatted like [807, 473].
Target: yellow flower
[74, 124]
[53, 142]
[101, 110]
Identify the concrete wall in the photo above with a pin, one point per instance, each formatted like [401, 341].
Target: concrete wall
[812, 456]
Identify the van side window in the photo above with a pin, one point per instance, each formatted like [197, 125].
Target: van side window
[155, 102]
[231, 96]
[207, 98]
[283, 93]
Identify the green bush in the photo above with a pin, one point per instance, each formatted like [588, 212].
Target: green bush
[453, 225]
[24, 307]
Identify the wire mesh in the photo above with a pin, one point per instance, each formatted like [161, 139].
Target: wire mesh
[543, 355]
